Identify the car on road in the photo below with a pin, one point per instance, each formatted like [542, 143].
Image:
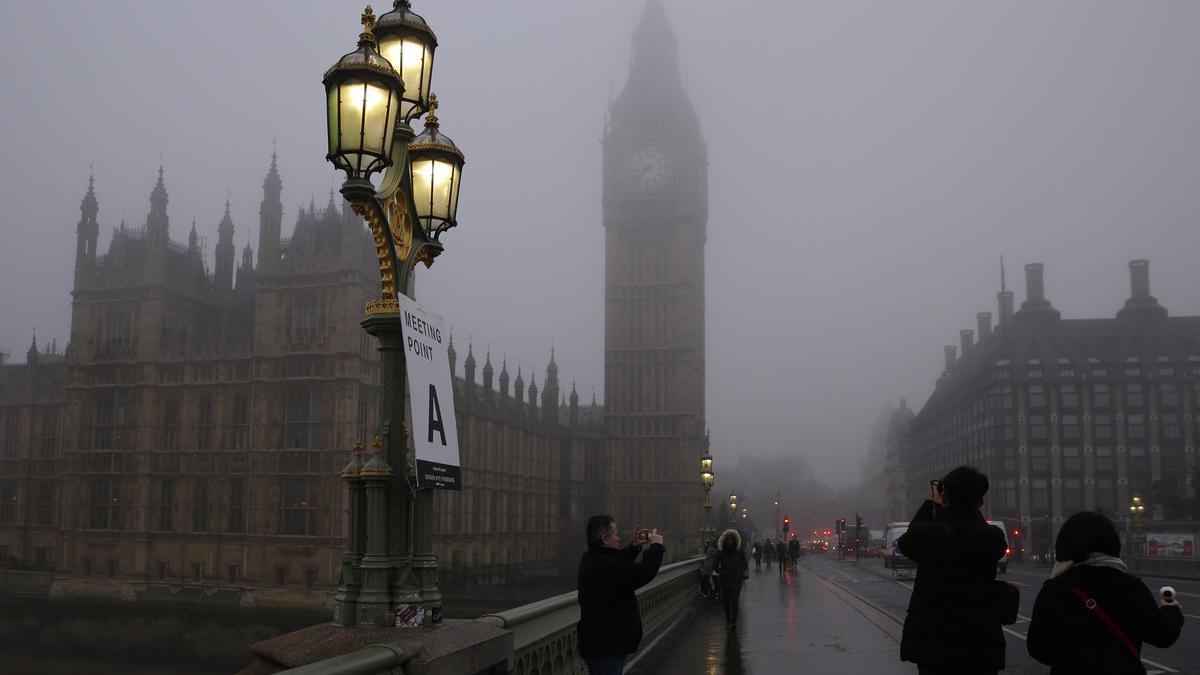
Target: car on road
[1002, 564]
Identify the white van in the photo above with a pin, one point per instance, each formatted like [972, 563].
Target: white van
[890, 535]
[1002, 564]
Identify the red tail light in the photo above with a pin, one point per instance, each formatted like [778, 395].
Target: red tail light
[1008, 551]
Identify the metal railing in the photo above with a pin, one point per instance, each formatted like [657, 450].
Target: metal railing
[544, 631]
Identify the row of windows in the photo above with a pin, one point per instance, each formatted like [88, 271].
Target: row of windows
[298, 506]
[42, 501]
[306, 421]
[46, 420]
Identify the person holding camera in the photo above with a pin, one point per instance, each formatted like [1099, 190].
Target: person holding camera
[1092, 616]
[953, 625]
[610, 621]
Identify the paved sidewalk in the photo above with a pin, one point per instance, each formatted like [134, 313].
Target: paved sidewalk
[799, 624]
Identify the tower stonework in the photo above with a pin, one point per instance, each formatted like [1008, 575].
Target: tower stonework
[655, 217]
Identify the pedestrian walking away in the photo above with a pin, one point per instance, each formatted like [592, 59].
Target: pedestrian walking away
[757, 552]
[1092, 616]
[794, 551]
[610, 623]
[953, 626]
[732, 570]
[768, 552]
[781, 557]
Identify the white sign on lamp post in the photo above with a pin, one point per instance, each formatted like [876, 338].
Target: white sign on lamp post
[431, 398]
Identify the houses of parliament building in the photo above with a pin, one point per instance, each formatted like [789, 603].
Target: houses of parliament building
[190, 436]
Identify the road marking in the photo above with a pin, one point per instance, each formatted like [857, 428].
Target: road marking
[1192, 616]
[1166, 669]
[1020, 583]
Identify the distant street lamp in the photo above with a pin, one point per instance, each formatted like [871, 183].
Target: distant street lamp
[371, 95]
[707, 478]
[733, 502]
[1136, 509]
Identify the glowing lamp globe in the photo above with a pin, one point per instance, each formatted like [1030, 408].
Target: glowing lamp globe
[362, 93]
[408, 43]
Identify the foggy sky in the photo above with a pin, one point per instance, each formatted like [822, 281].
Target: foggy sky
[869, 163]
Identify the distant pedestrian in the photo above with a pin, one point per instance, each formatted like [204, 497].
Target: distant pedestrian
[953, 625]
[794, 551]
[768, 552]
[710, 560]
[757, 552]
[781, 556]
[732, 569]
[610, 622]
[1092, 616]
[706, 570]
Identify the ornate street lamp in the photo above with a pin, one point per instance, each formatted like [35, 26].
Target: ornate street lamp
[733, 501]
[362, 93]
[408, 43]
[370, 97]
[744, 512]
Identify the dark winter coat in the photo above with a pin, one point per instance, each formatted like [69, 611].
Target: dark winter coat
[610, 623]
[781, 552]
[794, 548]
[952, 620]
[756, 552]
[731, 565]
[1069, 637]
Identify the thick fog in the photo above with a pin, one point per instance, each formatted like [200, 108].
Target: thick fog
[869, 165]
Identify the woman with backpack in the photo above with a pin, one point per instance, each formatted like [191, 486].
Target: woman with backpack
[1092, 616]
[732, 569]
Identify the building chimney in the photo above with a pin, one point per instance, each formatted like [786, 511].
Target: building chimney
[1139, 278]
[951, 358]
[1035, 288]
[1036, 307]
[983, 323]
[1004, 303]
[1141, 305]
[967, 338]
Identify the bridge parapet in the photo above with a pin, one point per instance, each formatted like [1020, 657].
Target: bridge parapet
[540, 638]
[544, 631]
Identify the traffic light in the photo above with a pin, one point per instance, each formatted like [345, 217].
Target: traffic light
[857, 521]
[842, 525]
[787, 524]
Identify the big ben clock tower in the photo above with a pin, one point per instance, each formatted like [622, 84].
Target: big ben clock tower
[655, 215]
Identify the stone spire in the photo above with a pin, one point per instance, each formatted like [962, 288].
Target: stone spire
[88, 230]
[453, 355]
[31, 356]
[194, 239]
[157, 222]
[533, 394]
[504, 378]
[225, 252]
[488, 371]
[270, 216]
[469, 366]
[519, 388]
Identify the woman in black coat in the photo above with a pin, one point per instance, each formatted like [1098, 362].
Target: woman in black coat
[1069, 630]
[732, 569]
[953, 626]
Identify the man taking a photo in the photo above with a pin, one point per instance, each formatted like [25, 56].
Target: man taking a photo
[610, 623]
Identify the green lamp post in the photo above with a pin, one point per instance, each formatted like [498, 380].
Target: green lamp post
[370, 100]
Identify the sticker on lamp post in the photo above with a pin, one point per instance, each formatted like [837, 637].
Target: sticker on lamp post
[431, 397]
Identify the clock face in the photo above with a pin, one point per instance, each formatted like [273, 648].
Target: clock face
[645, 169]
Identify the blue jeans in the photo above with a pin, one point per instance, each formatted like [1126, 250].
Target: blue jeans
[605, 665]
